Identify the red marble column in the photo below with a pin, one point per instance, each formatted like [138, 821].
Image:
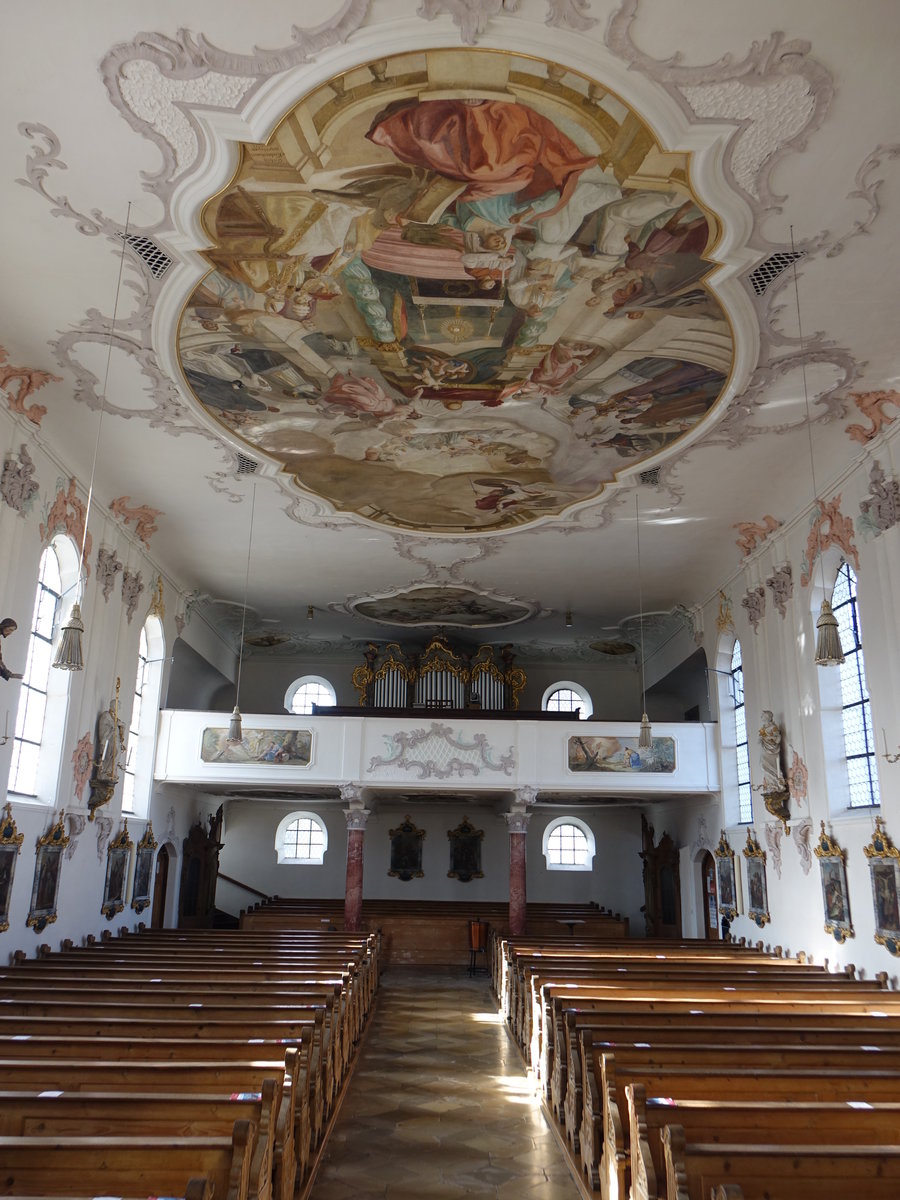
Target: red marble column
[353, 890]
[356, 817]
[518, 826]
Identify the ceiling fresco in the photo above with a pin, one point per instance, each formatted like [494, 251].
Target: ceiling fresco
[451, 606]
[457, 291]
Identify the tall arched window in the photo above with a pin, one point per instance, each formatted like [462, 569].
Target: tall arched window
[307, 691]
[138, 774]
[742, 746]
[35, 763]
[856, 713]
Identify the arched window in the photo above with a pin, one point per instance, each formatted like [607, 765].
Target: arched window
[566, 696]
[35, 764]
[856, 713]
[742, 746]
[140, 748]
[301, 838]
[307, 691]
[568, 845]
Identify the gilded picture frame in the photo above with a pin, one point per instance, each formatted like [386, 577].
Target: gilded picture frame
[884, 872]
[726, 883]
[143, 870]
[465, 852]
[835, 894]
[406, 851]
[118, 857]
[10, 846]
[47, 872]
[757, 891]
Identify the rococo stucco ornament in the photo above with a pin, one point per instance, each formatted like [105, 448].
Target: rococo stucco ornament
[754, 602]
[108, 567]
[132, 586]
[781, 584]
[18, 487]
[880, 510]
[800, 833]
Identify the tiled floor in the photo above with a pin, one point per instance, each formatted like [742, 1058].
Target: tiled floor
[439, 1104]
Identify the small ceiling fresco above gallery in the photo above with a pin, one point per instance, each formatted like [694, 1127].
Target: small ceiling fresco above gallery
[450, 606]
[457, 291]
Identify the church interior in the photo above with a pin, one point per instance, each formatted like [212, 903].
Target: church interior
[450, 509]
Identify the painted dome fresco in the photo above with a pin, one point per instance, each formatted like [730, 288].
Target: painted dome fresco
[457, 291]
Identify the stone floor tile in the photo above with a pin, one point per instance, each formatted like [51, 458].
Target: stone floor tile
[439, 1104]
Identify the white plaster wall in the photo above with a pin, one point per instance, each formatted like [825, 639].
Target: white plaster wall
[779, 673]
[249, 856]
[110, 651]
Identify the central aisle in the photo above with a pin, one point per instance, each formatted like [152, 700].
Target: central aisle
[439, 1104]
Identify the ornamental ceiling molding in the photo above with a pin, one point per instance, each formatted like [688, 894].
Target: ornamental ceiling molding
[177, 92]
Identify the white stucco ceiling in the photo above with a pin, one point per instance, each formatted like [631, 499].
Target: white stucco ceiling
[796, 131]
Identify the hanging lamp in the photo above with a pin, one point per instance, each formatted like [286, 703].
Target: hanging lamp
[69, 652]
[645, 739]
[829, 652]
[235, 729]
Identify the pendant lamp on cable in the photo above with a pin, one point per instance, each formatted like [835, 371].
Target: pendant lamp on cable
[645, 740]
[235, 729]
[829, 652]
[69, 652]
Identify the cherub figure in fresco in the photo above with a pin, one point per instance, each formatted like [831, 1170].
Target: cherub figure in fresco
[437, 372]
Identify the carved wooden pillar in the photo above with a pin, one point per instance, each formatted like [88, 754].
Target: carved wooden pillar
[356, 816]
[517, 822]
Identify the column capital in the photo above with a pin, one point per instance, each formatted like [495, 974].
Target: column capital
[352, 794]
[356, 817]
[517, 822]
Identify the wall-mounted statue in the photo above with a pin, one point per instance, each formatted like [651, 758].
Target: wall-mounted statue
[775, 790]
[110, 744]
[7, 626]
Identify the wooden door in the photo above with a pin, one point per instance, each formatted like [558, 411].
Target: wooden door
[710, 898]
[160, 884]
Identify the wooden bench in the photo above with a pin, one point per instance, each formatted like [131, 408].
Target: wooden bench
[89, 1166]
[724, 1119]
[604, 1149]
[802, 1172]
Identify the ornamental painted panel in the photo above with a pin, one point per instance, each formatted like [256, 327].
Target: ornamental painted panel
[621, 754]
[458, 290]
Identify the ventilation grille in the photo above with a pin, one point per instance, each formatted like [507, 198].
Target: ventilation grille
[774, 265]
[650, 478]
[245, 465]
[156, 260]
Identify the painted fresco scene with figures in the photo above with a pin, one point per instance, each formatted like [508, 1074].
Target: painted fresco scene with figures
[457, 291]
[621, 754]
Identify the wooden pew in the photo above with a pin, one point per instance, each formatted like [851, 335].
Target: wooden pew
[294, 1139]
[801, 1172]
[726, 1119]
[730, 1030]
[89, 1166]
[604, 1150]
[101, 1115]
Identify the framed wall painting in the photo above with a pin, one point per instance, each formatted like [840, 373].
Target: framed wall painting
[726, 884]
[118, 857]
[10, 845]
[406, 851]
[465, 852]
[884, 870]
[757, 892]
[47, 869]
[835, 895]
[143, 870]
